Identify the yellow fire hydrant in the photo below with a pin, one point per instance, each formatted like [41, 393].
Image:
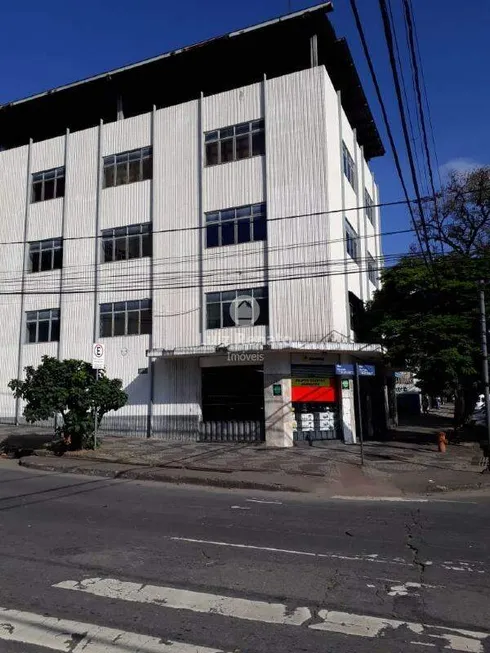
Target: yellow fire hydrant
[442, 442]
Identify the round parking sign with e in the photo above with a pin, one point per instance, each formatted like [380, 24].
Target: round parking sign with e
[98, 351]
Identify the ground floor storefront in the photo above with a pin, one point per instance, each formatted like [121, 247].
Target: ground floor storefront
[278, 397]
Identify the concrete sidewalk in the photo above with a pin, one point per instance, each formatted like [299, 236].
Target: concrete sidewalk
[407, 463]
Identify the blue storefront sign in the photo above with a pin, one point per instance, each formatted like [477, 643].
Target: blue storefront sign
[366, 370]
[344, 369]
[348, 369]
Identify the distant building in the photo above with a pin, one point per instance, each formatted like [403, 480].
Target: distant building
[210, 216]
[408, 394]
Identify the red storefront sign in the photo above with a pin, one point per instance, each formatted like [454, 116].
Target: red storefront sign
[308, 390]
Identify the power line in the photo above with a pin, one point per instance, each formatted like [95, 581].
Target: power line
[405, 94]
[188, 283]
[276, 219]
[415, 68]
[396, 80]
[427, 103]
[212, 254]
[386, 121]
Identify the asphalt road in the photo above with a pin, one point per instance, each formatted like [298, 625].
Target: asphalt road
[101, 566]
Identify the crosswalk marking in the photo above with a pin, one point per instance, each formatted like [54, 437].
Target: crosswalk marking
[169, 597]
[343, 623]
[364, 626]
[77, 637]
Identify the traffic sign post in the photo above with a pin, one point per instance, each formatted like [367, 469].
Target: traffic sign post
[356, 370]
[359, 412]
[98, 356]
[98, 361]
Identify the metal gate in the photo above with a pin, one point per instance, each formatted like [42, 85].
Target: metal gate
[232, 404]
[233, 431]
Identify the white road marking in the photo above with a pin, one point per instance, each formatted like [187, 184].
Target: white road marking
[77, 637]
[169, 597]
[387, 499]
[342, 497]
[461, 565]
[424, 644]
[363, 626]
[367, 557]
[240, 508]
[403, 589]
[276, 503]
[344, 623]
[372, 557]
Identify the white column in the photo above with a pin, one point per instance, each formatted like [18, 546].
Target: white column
[278, 409]
[348, 399]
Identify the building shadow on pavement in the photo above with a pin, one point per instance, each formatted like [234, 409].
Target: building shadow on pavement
[24, 441]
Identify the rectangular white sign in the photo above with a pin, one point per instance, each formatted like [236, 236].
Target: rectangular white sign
[98, 356]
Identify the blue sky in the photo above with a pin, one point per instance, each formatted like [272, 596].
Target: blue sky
[55, 42]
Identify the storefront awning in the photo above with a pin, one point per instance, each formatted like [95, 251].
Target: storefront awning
[354, 348]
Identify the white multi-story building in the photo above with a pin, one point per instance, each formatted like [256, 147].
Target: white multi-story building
[208, 215]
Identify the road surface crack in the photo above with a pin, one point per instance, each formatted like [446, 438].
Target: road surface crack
[414, 538]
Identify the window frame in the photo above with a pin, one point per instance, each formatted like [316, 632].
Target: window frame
[372, 270]
[41, 179]
[351, 236]
[139, 306]
[260, 294]
[53, 248]
[124, 159]
[53, 318]
[369, 206]
[217, 219]
[116, 234]
[230, 135]
[349, 165]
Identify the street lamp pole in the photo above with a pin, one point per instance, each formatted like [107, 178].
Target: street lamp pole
[484, 349]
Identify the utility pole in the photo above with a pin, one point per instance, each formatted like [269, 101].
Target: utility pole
[484, 350]
[96, 413]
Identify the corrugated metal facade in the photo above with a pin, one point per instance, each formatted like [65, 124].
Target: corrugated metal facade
[300, 178]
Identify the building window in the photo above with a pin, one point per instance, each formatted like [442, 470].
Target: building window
[372, 270]
[351, 241]
[45, 255]
[233, 226]
[127, 167]
[356, 312]
[233, 143]
[43, 326]
[125, 318]
[349, 166]
[48, 184]
[230, 308]
[369, 206]
[123, 243]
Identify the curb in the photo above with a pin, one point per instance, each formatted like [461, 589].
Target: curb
[157, 474]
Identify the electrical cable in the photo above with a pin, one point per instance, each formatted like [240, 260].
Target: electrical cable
[416, 76]
[396, 80]
[386, 121]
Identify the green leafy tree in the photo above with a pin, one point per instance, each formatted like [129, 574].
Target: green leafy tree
[68, 388]
[432, 329]
[428, 318]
